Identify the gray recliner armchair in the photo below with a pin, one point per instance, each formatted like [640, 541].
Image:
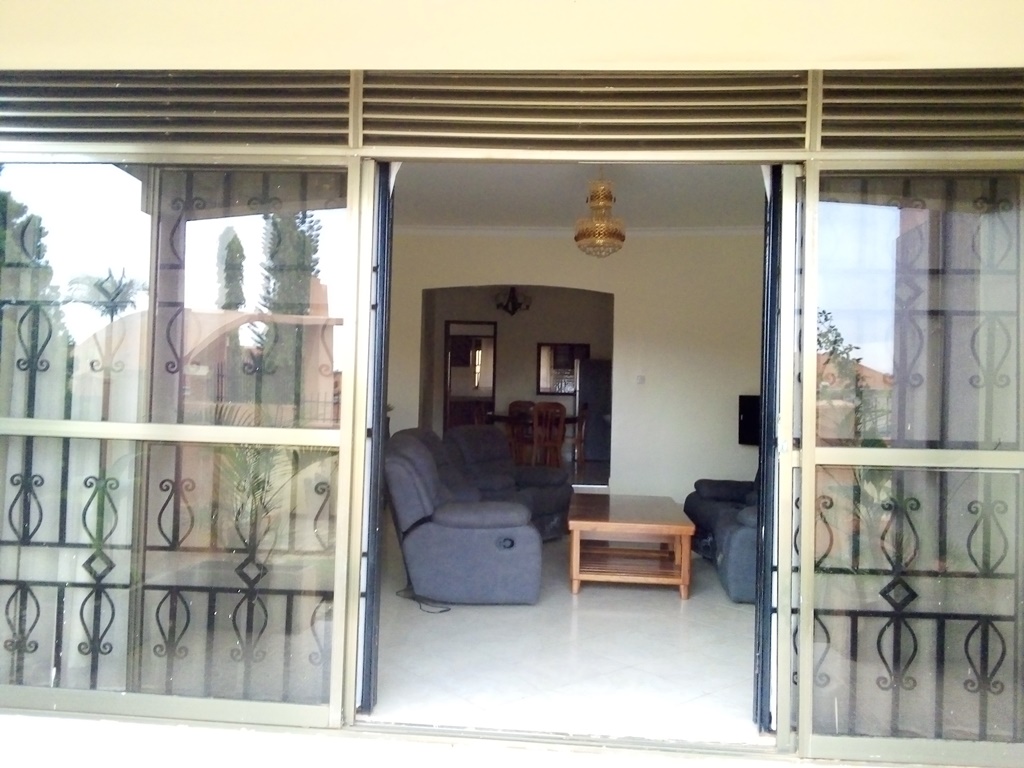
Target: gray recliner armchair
[458, 551]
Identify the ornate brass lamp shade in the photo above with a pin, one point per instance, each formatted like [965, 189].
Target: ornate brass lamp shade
[600, 234]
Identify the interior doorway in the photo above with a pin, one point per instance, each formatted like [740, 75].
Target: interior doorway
[470, 349]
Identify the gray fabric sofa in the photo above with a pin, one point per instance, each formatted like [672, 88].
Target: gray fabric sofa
[458, 550]
[725, 513]
[483, 456]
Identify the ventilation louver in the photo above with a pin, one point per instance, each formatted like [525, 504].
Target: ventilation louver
[923, 110]
[758, 110]
[250, 107]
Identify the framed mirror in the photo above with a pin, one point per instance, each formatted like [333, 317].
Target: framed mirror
[557, 367]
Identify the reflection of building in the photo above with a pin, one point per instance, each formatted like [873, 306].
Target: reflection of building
[227, 377]
[854, 401]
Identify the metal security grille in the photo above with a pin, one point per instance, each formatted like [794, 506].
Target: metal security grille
[966, 109]
[716, 110]
[253, 107]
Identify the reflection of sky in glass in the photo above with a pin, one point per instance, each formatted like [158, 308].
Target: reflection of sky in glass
[94, 222]
[202, 241]
[857, 265]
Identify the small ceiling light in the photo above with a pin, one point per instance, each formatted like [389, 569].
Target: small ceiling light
[600, 234]
[511, 301]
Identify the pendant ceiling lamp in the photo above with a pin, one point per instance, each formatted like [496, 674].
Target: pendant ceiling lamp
[600, 234]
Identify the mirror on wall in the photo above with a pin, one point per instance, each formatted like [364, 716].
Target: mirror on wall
[469, 371]
[557, 367]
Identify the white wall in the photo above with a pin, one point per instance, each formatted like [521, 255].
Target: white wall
[528, 34]
[687, 319]
[558, 315]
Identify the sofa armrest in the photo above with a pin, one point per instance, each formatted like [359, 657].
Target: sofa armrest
[724, 490]
[487, 514]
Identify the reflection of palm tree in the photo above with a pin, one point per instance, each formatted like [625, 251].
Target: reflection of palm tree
[110, 295]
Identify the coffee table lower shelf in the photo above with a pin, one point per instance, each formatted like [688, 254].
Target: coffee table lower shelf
[628, 566]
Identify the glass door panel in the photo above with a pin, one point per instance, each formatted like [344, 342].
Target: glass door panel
[170, 451]
[918, 569]
[918, 318]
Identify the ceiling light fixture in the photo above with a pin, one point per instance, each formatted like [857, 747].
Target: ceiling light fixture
[600, 234]
[511, 301]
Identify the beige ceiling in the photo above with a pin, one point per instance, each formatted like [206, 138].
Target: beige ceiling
[553, 195]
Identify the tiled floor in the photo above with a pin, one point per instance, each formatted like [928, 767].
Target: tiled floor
[612, 661]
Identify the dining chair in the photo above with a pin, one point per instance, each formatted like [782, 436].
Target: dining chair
[520, 430]
[548, 433]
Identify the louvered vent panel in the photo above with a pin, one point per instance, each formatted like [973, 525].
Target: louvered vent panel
[250, 107]
[594, 111]
[923, 110]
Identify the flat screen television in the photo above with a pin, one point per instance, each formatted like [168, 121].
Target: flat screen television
[750, 420]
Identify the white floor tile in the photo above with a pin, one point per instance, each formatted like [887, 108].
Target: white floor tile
[619, 661]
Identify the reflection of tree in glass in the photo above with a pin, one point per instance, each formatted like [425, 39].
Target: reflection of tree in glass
[837, 364]
[23, 232]
[231, 296]
[26, 279]
[109, 295]
[231, 270]
[290, 244]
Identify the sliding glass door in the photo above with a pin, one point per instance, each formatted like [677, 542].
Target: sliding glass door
[913, 547]
[172, 349]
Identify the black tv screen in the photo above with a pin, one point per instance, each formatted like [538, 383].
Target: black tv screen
[750, 420]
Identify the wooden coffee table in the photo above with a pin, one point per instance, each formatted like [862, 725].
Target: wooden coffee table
[629, 539]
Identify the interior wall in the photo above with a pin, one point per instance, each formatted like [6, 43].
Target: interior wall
[467, 34]
[556, 315]
[687, 325]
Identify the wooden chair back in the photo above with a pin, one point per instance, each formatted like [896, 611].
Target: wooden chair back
[548, 433]
[520, 430]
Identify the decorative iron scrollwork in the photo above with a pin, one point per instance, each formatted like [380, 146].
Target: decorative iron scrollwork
[35, 331]
[22, 614]
[101, 503]
[319, 627]
[991, 344]
[904, 647]
[180, 527]
[899, 539]
[987, 561]
[984, 643]
[323, 488]
[97, 616]
[249, 620]
[173, 618]
[26, 501]
[825, 503]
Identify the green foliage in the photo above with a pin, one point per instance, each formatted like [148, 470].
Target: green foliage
[837, 352]
[290, 244]
[232, 295]
[23, 232]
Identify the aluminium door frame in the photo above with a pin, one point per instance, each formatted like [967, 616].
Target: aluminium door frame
[347, 503]
[781, 669]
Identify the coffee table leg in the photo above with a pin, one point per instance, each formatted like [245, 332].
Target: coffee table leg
[574, 561]
[684, 566]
